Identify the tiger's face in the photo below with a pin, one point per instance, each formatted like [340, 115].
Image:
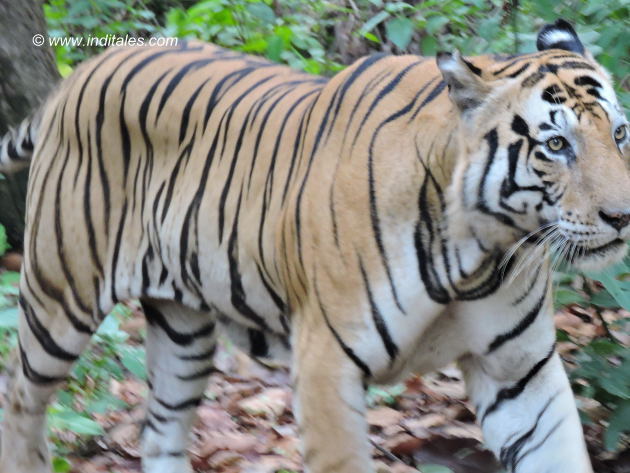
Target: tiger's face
[580, 157]
[552, 163]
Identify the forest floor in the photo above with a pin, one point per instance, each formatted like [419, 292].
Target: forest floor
[246, 425]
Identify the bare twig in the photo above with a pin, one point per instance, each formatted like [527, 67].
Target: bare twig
[389, 455]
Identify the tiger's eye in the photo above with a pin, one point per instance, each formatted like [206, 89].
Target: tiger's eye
[620, 133]
[557, 143]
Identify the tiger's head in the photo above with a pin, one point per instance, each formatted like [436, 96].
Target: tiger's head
[544, 150]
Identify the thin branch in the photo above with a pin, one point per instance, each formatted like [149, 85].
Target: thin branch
[389, 455]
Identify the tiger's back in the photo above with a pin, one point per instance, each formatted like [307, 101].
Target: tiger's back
[192, 161]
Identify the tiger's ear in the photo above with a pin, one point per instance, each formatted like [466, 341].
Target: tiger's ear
[466, 87]
[559, 35]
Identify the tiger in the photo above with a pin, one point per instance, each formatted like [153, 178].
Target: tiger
[401, 215]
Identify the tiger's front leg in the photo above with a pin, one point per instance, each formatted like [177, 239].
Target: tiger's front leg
[329, 402]
[524, 401]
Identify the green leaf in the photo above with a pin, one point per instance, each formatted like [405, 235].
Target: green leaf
[275, 45]
[394, 7]
[372, 37]
[435, 24]
[399, 31]
[9, 318]
[604, 299]
[617, 288]
[565, 297]
[619, 423]
[133, 358]
[262, 12]
[73, 421]
[61, 465]
[4, 244]
[374, 21]
[429, 46]
[430, 468]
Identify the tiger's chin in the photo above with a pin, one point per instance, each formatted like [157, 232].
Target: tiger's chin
[587, 258]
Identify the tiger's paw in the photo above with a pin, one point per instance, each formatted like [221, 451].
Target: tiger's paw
[36, 464]
[19, 453]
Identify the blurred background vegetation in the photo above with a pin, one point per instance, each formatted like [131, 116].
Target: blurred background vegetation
[322, 37]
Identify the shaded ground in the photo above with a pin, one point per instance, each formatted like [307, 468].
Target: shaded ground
[246, 425]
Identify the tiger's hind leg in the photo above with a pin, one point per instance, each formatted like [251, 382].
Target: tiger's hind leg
[52, 334]
[180, 348]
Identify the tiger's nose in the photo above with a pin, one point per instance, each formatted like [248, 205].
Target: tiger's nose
[617, 220]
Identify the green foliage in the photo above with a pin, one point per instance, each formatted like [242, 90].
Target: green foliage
[254, 27]
[318, 35]
[432, 25]
[603, 366]
[110, 356]
[96, 18]
[87, 392]
[384, 395]
[4, 244]
[430, 468]
[8, 313]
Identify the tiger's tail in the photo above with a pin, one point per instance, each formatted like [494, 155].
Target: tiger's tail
[16, 146]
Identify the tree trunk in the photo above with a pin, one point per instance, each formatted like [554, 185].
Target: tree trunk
[27, 74]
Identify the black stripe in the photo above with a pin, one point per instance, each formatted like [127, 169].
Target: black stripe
[377, 317]
[519, 71]
[424, 238]
[576, 65]
[259, 348]
[180, 406]
[77, 122]
[277, 300]
[186, 111]
[87, 207]
[42, 334]
[587, 80]
[206, 355]
[100, 118]
[340, 93]
[431, 96]
[509, 453]
[381, 95]
[521, 326]
[61, 253]
[374, 216]
[117, 245]
[346, 349]
[203, 373]
[176, 79]
[541, 443]
[237, 148]
[238, 296]
[34, 376]
[493, 143]
[156, 318]
[513, 392]
[148, 423]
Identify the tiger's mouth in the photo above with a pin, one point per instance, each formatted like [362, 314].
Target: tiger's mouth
[591, 258]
